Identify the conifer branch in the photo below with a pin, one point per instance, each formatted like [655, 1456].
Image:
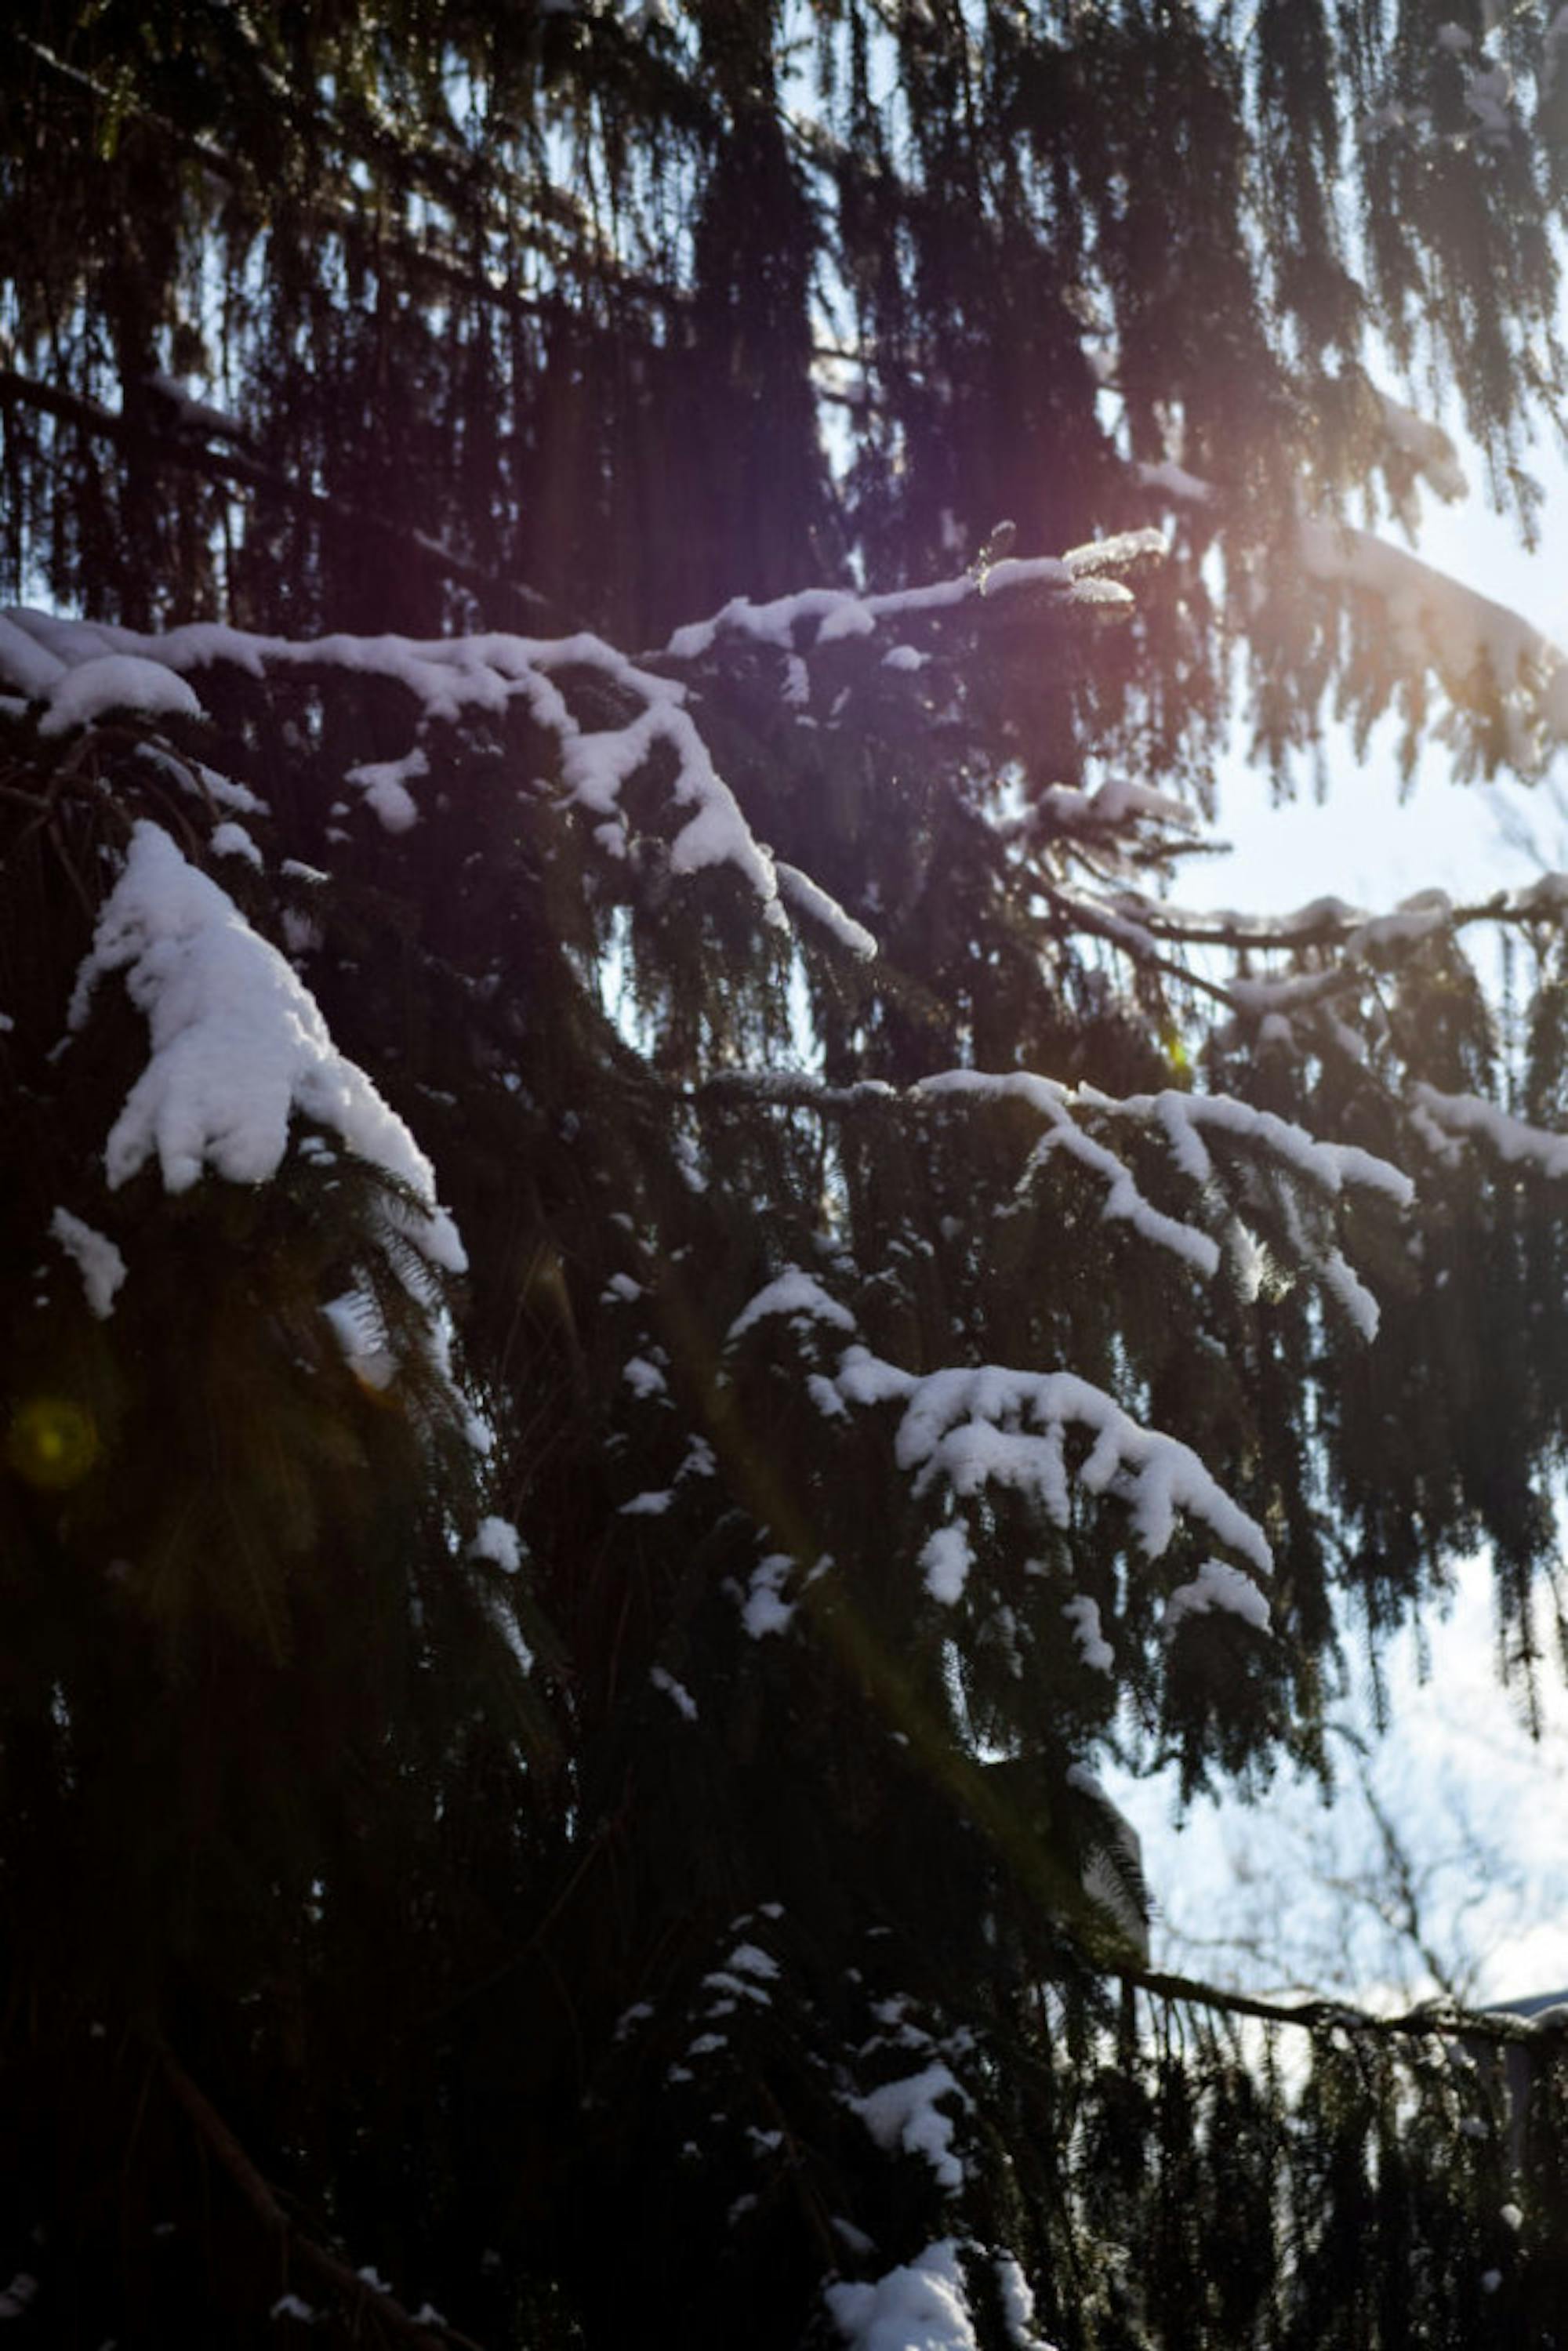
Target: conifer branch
[862, 1450]
[1135, 939]
[1542, 901]
[344, 213]
[328, 2267]
[230, 469]
[1444, 2018]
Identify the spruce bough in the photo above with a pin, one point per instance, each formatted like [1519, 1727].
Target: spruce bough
[654, 1286]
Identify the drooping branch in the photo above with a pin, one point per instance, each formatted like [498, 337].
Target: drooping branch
[510, 208]
[1320, 1171]
[231, 469]
[357, 2289]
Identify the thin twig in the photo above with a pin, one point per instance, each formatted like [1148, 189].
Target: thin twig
[303, 2251]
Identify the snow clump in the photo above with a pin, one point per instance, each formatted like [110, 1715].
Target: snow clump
[239, 1045]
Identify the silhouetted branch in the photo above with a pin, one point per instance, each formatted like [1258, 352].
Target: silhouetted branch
[303, 2251]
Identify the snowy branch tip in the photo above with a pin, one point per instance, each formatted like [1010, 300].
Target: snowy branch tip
[238, 1045]
[989, 1425]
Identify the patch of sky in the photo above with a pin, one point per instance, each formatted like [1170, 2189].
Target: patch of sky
[1286, 1891]
[1441, 1866]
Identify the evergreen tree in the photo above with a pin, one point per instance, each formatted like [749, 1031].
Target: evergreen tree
[652, 1285]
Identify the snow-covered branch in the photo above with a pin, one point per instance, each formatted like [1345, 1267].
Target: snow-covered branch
[1179, 1120]
[816, 618]
[1434, 619]
[1306, 1174]
[965, 1427]
[238, 1047]
[1449, 1121]
[82, 671]
[1331, 922]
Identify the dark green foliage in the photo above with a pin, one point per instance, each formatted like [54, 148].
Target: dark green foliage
[472, 1928]
[718, 1909]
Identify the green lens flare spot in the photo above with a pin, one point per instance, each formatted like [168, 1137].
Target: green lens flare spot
[51, 1443]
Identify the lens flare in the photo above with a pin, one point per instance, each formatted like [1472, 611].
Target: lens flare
[51, 1443]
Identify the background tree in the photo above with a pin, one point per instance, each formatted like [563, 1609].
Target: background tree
[651, 1293]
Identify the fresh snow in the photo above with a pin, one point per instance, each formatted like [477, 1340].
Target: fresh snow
[81, 670]
[1217, 1585]
[384, 783]
[763, 1610]
[904, 2115]
[357, 1323]
[1180, 1120]
[795, 1294]
[1458, 1117]
[95, 1257]
[824, 616]
[1114, 804]
[1427, 445]
[239, 1046]
[1017, 2303]
[924, 2305]
[24, 663]
[116, 682]
[1083, 1614]
[231, 839]
[510, 1631]
[222, 790]
[1434, 618]
[945, 1559]
[497, 1541]
[85, 669]
[1098, 556]
[1123, 1200]
[751, 1960]
[1328, 1166]
[700, 1461]
[972, 1426]
[807, 898]
[921, 2307]
[1174, 481]
[680, 1697]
